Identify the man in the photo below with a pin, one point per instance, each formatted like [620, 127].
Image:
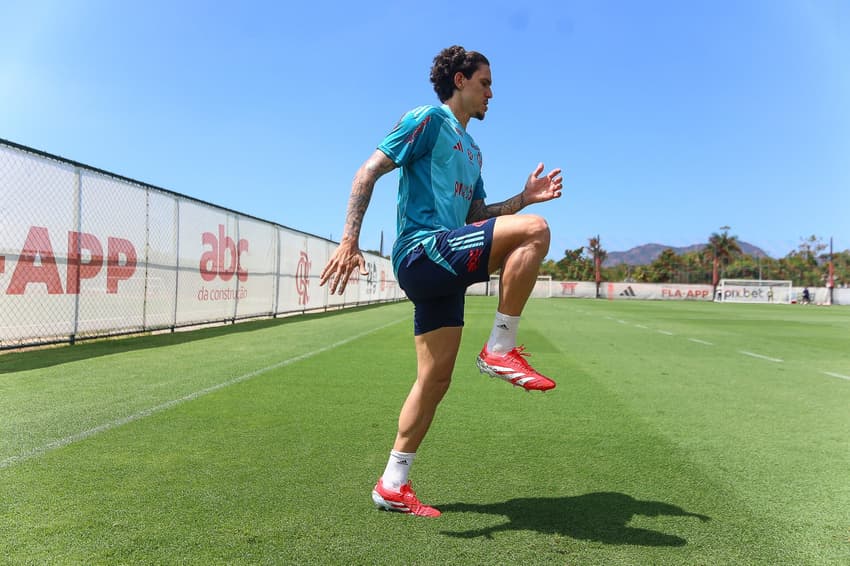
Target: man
[448, 238]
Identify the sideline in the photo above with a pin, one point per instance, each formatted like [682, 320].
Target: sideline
[59, 443]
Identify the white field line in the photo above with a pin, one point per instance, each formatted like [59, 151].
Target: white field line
[707, 343]
[838, 375]
[59, 443]
[759, 356]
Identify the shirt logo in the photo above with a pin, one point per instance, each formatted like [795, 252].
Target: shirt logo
[419, 129]
[464, 191]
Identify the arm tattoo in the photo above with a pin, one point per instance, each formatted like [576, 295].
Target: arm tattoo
[361, 192]
[480, 211]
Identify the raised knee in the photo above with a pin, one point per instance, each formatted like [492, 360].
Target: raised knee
[538, 229]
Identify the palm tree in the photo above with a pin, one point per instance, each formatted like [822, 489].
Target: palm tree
[723, 248]
[599, 256]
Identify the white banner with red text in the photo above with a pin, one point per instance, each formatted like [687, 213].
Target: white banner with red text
[85, 253]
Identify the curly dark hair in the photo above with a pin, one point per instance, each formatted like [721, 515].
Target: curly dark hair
[450, 61]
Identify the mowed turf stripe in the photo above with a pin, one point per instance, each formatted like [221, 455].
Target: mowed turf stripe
[279, 469]
[619, 445]
[59, 443]
[757, 447]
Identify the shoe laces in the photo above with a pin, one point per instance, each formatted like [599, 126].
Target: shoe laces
[416, 507]
[407, 490]
[519, 354]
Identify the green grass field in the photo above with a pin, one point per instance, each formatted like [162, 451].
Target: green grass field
[680, 433]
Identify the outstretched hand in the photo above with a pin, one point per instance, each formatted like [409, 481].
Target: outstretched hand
[344, 260]
[541, 189]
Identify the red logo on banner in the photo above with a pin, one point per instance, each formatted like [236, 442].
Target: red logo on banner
[687, 293]
[37, 262]
[223, 258]
[302, 279]
[568, 288]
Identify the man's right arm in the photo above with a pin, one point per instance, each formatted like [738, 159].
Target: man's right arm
[372, 169]
[348, 256]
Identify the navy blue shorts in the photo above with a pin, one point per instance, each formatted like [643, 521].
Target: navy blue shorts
[437, 293]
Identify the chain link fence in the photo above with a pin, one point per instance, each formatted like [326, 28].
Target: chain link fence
[85, 253]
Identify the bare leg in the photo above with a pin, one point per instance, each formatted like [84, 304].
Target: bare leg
[520, 242]
[519, 245]
[436, 353]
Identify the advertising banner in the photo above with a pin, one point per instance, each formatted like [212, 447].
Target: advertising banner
[657, 291]
[161, 260]
[87, 253]
[38, 220]
[209, 252]
[258, 266]
[107, 255]
[574, 289]
[296, 264]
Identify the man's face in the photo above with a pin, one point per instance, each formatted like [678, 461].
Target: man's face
[477, 92]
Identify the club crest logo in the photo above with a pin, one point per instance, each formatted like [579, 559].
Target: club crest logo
[302, 279]
[372, 278]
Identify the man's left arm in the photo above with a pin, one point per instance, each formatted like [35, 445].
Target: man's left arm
[537, 189]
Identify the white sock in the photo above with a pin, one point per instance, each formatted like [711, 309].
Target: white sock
[397, 470]
[503, 336]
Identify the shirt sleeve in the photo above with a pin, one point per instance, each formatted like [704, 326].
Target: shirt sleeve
[413, 137]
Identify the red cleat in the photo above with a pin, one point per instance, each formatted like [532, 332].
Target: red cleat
[513, 368]
[404, 501]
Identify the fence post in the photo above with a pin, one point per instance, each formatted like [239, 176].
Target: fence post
[276, 297]
[236, 274]
[147, 258]
[176, 260]
[78, 223]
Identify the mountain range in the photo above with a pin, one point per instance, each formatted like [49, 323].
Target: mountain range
[646, 254]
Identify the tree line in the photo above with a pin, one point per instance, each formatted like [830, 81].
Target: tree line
[721, 257]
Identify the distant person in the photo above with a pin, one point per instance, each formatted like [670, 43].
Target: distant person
[448, 238]
[770, 294]
[807, 298]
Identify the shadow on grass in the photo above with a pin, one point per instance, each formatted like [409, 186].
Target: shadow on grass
[37, 358]
[599, 517]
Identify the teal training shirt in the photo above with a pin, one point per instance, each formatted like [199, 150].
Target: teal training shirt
[440, 176]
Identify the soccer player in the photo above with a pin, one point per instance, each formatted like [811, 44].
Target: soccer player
[448, 238]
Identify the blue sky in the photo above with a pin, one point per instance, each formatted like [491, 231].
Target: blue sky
[670, 119]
